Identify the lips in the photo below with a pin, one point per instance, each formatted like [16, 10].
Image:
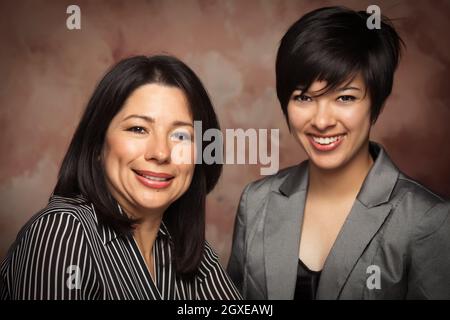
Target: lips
[325, 143]
[154, 180]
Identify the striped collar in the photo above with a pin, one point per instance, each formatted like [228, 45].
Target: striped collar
[108, 234]
[105, 232]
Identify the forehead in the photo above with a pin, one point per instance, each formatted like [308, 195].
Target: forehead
[158, 101]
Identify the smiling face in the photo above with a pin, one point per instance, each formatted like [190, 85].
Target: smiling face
[137, 154]
[333, 128]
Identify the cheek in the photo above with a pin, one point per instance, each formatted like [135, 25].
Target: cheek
[186, 172]
[357, 119]
[183, 154]
[297, 118]
[118, 150]
[190, 170]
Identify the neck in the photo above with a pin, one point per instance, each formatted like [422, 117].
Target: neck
[146, 230]
[145, 233]
[343, 181]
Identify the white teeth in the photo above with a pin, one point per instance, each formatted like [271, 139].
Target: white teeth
[156, 178]
[326, 140]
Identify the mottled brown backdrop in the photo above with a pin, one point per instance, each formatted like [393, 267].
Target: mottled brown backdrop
[48, 73]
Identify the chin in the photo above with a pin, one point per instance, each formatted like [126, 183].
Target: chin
[155, 207]
[153, 202]
[326, 164]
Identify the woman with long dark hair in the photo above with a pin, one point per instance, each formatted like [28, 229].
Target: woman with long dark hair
[127, 216]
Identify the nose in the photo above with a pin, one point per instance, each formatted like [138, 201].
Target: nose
[323, 117]
[158, 150]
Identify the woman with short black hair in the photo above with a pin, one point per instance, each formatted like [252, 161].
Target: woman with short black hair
[127, 216]
[346, 223]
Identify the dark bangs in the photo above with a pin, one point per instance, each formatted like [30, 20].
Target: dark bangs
[334, 45]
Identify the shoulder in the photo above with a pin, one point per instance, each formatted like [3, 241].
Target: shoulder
[256, 195]
[209, 263]
[407, 186]
[410, 194]
[212, 278]
[386, 182]
[61, 216]
[259, 190]
[425, 211]
[411, 203]
[53, 242]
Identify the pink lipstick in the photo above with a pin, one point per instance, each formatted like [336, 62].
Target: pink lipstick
[154, 180]
[322, 143]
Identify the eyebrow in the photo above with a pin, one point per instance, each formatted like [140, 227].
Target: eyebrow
[176, 123]
[348, 88]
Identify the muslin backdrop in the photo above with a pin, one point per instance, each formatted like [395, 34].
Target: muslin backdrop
[48, 73]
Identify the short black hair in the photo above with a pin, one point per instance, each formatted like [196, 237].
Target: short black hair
[82, 174]
[333, 44]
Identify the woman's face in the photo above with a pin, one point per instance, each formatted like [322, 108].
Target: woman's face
[333, 128]
[153, 126]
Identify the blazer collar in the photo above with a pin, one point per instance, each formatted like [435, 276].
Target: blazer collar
[380, 181]
[377, 186]
[284, 216]
[296, 181]
[365, 219]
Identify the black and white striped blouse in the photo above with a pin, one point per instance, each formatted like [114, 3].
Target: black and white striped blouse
[64, 253]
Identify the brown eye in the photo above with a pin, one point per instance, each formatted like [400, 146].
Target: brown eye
[346, 98]
[302, 98]
[138, 130]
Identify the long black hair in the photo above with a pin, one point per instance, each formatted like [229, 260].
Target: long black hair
[82, 174]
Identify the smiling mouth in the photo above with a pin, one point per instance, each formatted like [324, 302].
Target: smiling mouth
[160, 177]
[324, 141]
[154, 180]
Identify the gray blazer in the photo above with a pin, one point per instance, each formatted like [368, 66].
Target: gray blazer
[395, 243]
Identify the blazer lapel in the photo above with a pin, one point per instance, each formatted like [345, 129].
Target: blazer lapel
[358, 230]
[284, 214]
[365, 219]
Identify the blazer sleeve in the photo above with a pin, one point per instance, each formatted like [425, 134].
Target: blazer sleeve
[236, 263]
[51, 260]
[429, 274]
